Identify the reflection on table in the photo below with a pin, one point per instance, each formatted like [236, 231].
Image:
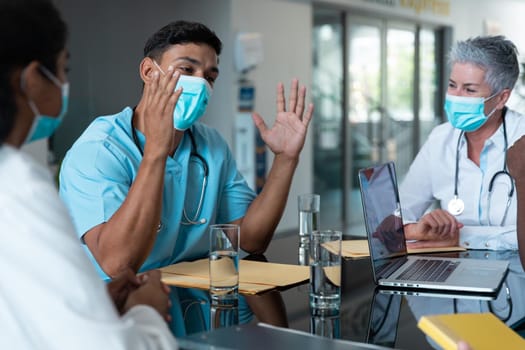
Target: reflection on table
[388, 318]
[378, 316]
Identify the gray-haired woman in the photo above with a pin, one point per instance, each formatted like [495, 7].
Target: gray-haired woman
[462, 165]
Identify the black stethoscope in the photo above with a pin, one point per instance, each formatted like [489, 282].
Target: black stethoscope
[194, 220]
[391, 172]
[456, 204]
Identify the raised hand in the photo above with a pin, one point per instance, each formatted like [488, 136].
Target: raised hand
[286, 137]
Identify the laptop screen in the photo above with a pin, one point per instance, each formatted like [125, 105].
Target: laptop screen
[382, 212]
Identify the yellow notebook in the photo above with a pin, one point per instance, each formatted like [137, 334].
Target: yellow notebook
[481, 331]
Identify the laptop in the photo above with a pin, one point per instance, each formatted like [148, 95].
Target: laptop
[393, 267]
[435, 293]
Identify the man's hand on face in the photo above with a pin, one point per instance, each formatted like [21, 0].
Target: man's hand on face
[160, 98]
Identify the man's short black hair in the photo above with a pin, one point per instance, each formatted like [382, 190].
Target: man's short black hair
[181, 32]
[30, 30]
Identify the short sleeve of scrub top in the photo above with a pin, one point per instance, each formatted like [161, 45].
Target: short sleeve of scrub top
[96, 174]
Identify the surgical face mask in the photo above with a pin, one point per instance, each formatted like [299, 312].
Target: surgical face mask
[467, 113]
[193, 101]
[44, 126]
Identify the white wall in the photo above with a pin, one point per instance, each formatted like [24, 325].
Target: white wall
[503, 17]
[286, 34]
[470, 16]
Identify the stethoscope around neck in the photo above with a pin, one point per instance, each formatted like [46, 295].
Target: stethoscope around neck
[195, 219]
[456, 204]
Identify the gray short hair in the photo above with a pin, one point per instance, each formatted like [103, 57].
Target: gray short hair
[496, 55]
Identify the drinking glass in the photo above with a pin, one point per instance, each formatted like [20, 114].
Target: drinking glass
[224, 275]
[309, 206]
[325, 270]
[325, 324]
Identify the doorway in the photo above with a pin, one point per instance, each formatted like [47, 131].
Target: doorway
[378, 90]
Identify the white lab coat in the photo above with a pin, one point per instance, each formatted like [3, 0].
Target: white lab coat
[50, 294]
[431, 177]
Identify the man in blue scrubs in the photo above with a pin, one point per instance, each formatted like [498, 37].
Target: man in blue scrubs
[143, 185]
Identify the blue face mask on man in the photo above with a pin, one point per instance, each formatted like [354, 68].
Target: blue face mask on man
[44, 126]
[193, 101]
[467, 113]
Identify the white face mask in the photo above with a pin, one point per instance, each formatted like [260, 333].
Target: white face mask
[44, 126]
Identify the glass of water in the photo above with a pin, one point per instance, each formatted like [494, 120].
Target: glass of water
[309, 221]
[325, 271]
[224, 275]
[328, 326]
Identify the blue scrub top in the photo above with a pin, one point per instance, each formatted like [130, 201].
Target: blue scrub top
[98, 170]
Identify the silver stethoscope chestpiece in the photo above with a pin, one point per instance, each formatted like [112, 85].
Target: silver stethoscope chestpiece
[456, 206]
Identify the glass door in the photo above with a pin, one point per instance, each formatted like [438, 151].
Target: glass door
[327, 94]
[399, 97]
[365, 109]
[376, 88]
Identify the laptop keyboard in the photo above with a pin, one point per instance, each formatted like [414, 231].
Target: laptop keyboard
[429, 270]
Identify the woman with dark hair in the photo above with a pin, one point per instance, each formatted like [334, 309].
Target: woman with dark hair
[51, 296]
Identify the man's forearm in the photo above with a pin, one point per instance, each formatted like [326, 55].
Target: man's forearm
[266, 210]
[126, 239]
